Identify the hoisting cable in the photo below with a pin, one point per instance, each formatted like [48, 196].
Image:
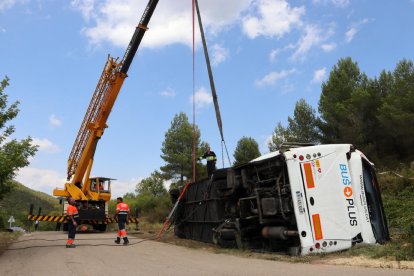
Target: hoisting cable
[210, 75]
[168, 221]
[222, 153]
[194, 127]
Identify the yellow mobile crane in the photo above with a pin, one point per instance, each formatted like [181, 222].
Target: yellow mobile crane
[92, 194]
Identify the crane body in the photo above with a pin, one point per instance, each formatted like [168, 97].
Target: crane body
[93, 193]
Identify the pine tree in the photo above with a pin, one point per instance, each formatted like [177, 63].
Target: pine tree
[396, 115]
[335, 105]
[247, 149]
[302, 128]
[177, 150]
[304, 124]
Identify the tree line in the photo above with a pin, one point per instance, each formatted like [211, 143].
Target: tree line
[374, 114]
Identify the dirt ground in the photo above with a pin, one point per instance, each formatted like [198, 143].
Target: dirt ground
[43, 253]
[367, 262]
[361, 261]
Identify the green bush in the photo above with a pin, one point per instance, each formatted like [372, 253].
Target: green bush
[393, 185]
[398, 199]
[153, 208]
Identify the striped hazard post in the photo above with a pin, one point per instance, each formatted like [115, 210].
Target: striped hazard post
[46, 218]
[63, 218]
[114, 220]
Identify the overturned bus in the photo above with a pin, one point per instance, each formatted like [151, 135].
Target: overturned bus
[300, 200]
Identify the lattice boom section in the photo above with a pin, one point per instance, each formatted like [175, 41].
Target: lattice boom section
[92, 113]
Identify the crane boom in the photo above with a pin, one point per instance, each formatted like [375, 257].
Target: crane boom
[94, 123]
[138, 35]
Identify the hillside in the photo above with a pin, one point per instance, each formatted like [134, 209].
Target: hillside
[17, 204]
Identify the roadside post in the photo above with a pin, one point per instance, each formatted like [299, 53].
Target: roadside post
[11, 220]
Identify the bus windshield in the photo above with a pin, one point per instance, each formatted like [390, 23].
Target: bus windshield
[374, 202]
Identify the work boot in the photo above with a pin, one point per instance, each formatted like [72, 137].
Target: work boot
[118, 240]
[126, 241]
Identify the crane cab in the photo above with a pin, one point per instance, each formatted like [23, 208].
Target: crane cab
[99, 188]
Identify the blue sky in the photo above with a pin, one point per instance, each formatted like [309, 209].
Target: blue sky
[266, 55]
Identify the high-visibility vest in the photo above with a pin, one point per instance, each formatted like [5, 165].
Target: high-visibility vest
[209, 156]
[123, 208]
[72, 211]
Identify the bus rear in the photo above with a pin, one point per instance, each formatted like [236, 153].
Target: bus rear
[336, 198]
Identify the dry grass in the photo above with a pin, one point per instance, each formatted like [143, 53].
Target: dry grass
[6, 239]
[150, 231]
[367, 256]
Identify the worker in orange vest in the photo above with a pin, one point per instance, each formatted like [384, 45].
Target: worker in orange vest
[73, 220]
[122, 212]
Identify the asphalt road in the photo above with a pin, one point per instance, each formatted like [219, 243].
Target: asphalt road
[44, 253]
